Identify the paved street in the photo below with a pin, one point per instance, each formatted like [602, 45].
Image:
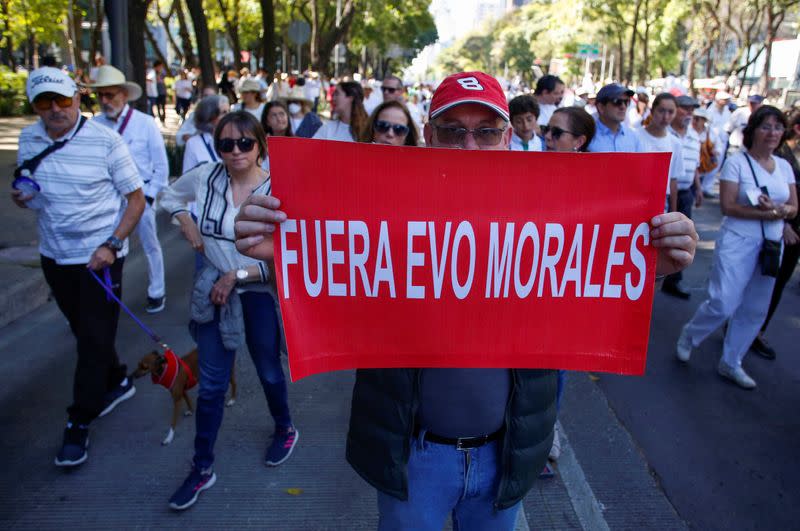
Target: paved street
[676, 448]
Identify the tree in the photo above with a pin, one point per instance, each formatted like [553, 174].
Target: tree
[268, 40]
[203, 46]
[189, 59]
[137, 25]
[33, 22]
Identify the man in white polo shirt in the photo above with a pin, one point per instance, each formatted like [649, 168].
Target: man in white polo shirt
[146, 146]
[88, 197]
[690, 191]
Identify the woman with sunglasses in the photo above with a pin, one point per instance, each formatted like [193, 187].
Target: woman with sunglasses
[756, 195]
[391, 124]
[351, 117]
[569, 129]
[232, 303]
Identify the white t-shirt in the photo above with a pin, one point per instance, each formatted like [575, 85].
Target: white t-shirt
[690, 149]
[334, 130]
[151, 87]
[257, 112]
[664, 144]
[737, 170]
[183, 89]
[546, 110]
[535, 143]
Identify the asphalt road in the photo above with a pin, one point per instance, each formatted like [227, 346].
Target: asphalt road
[726, 458]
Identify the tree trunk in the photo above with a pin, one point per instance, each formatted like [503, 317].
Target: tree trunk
[189, 59]
[7, 53]
[203, 47]
[154, 43]
[621, 54]
[232, 30]
[165, 22]
[268, 40]
[774, 19]
[137, 17]
[97, 31]
[632, 48]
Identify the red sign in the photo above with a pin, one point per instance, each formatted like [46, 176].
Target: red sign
[422, 257]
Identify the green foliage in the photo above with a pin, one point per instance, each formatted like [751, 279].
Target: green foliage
[382, 24]
[41, 19]
[13, 101]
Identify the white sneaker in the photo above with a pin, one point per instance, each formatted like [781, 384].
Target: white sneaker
[555, 450]
[683, 350]
[736, 375]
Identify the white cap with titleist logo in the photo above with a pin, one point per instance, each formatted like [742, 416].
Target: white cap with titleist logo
[49, 79]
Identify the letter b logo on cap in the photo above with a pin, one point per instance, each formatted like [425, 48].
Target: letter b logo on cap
[470, 83]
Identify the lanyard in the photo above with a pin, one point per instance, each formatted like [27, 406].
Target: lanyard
[208, 148]
[125, 121]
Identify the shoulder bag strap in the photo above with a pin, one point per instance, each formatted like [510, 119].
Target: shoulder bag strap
[753, 171]
[32, 163]
[125, 121]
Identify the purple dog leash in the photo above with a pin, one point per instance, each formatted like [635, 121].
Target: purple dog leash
[110, 295]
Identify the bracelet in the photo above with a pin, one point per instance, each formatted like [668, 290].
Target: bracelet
[660, 277]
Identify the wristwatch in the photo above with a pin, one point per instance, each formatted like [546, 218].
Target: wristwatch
[241, 275]
[113, 243]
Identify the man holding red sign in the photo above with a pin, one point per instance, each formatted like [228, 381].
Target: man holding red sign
[441, 441]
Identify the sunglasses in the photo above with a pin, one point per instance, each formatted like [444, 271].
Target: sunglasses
[226, 145]
[45, 101]
[554, 131]
[383, 127]
[108, 95]
[390, 90]
[619, 101]
[455, 136]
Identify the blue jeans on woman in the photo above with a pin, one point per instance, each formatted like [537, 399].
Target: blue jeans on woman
[442, 481]
[262, 335]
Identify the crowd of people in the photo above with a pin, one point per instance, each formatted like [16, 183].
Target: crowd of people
[223, 204]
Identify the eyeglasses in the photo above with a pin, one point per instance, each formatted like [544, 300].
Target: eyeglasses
[554, 131]
[455, 136]
[765, 128]
[45, 101]
[618, 101]
[383, 127]
[390, 90]
[226, 145]
[109, 95]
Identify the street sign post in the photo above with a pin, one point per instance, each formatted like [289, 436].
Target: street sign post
[588, 51]
[299, 33]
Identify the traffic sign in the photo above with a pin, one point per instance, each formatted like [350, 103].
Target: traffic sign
[299, 31]
[588, 51]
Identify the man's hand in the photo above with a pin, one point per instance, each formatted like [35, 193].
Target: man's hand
[222, 288]
[674, 236]
[102, 257]
[255, 225]
[19, 197]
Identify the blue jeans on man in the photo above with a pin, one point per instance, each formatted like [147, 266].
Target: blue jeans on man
[442, 481]
[216, 363]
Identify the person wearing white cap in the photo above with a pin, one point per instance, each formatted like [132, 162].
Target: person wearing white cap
[83, 184]
[710, 151]
[420, 436]
[146, 145]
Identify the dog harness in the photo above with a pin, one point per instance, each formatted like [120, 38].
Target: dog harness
[170, 373]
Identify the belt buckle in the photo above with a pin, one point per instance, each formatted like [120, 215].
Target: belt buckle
[460, 444]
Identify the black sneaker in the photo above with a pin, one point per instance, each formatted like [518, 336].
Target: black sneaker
[155, 305]
[119, 394]
[283, 442]
[74, 448]
[187, 494]
[762, 348]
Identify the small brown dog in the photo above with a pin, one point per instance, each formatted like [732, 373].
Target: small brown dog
[177, 375]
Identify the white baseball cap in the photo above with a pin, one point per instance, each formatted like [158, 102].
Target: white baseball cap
[722, 96]
[49, 79]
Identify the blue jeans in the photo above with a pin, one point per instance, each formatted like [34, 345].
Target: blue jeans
[263, 342]
[443, 480]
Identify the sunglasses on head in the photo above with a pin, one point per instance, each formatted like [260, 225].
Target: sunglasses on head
[226, 145]
[383, 127]
[554, 131]
[45, 101]
[390, 90]
[456, 136]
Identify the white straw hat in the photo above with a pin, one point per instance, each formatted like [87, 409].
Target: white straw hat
[108, 76]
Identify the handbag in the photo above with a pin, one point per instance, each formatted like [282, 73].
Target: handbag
[770, 255]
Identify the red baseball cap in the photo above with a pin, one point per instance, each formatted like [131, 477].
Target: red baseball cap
[469, 87]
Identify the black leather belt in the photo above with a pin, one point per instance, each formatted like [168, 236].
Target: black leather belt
[463, 443]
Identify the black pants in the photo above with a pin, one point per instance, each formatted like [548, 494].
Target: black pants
[791, 253]
[685, 204]
[93, 320]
